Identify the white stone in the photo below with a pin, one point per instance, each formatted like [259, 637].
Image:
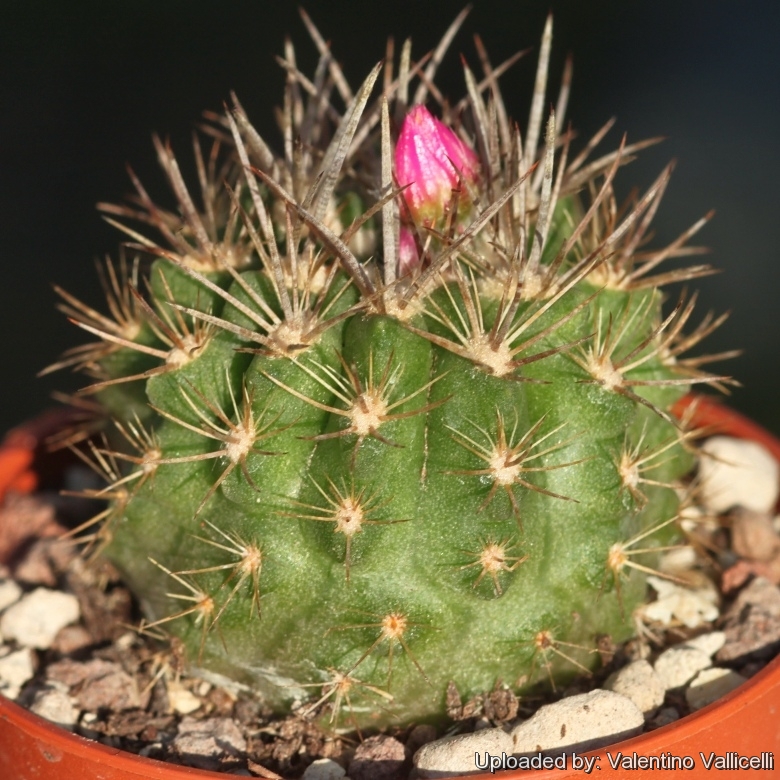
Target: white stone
[181, 699]
[324, 769]
[35, 620]
[678, 665]
[455, 755]
[10, 593]
[690, 606]
[708, 643]
[583, 722]
[88, 720]
[15, 670]
[710, 685]
[55, 705]
[681, 559]
[738, 473]
[639, 682]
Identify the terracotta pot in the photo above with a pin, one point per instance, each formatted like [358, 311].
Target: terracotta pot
[747, 721]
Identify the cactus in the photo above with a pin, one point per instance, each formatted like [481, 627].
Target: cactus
[390, 410]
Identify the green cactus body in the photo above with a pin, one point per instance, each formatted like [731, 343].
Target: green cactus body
[353, 489]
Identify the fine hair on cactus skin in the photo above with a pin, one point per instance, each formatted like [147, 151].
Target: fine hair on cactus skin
[390, 409]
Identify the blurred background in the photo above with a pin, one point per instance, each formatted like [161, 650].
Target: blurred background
[85, 83]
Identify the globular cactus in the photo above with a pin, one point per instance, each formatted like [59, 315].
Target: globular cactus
[391, 408]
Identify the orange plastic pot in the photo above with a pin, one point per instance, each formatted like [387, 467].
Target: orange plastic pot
[743, 724]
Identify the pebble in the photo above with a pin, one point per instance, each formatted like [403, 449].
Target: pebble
[378, 758]
[35, 568]
[98, 684]
[680, 664]
[72, 639]
[708, 643]
[324, 769]
[753, 535]
[738, 473]
[181, 699]
[54, 704]
[205, 744]
[454, 755]
[85, 727]
[35, 620]
[664, 717]
[710, 684]
[419, 736]
[682, 559]
[10, 593]
[752, 623]
[693, 607]
[639, 682]
[583, 722]
[15, 670]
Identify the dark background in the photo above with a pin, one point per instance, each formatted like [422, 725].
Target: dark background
[83, 84]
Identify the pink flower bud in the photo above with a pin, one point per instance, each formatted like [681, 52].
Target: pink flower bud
[431, 159]
[408, 257]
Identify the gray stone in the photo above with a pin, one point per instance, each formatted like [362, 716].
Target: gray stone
[324, 769]
[99, 684]
[752, 623]
[664, 717]
[583, 722]
[380, 757]
[454, 755]
[209, 744]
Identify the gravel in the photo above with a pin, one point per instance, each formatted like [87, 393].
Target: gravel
[209, 744]
[324, 769]
[752, 623]
[737, 473]
[380, 757]
[34, 620]
[693, 607]
[56, 705]
[639, 682]
[455, 755]
[579, 723]
[710, 685]
[16, 668]
[679, 665]
[708, 643]
[99, 684]
[10, 593]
